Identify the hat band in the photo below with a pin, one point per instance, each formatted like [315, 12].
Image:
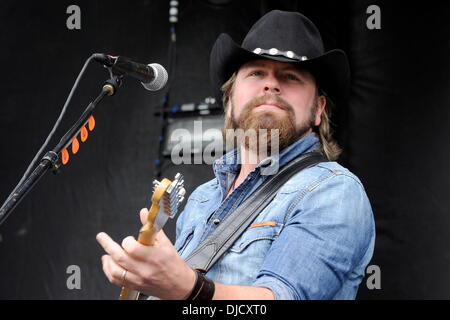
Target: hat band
[275, 52]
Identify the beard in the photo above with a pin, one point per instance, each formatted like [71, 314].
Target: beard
[267, 132]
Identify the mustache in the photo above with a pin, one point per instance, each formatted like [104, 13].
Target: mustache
[272, 98]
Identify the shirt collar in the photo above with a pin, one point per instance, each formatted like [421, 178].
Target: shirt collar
[230, 162]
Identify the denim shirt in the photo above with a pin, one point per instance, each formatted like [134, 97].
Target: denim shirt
[313, 241]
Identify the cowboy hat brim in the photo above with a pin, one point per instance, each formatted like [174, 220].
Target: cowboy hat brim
[331, 70]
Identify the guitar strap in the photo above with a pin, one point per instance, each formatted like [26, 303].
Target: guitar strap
[220, 240]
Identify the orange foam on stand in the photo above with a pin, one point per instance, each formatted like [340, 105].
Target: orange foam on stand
[84, 134]
[75, 145]
[91, 123]
[64, 156]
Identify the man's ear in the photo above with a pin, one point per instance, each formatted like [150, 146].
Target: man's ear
[321, 104]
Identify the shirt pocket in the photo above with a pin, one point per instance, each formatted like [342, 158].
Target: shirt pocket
[257, 239]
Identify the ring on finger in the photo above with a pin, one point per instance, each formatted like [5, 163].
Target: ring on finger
[124, 274]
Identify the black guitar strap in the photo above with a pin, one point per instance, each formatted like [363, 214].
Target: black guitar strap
[218, 242]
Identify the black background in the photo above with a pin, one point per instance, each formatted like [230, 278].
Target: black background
[395, 131]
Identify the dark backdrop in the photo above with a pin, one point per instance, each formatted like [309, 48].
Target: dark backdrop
[394, 130]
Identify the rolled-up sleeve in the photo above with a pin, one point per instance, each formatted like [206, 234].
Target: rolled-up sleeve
[328, 238]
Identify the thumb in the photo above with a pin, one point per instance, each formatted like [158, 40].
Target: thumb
[162, 238]
[143, 215]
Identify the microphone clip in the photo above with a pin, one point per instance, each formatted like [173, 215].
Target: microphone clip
[113, 84]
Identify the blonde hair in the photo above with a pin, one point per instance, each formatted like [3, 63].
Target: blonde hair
[324, 131]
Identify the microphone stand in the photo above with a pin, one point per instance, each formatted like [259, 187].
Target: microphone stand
[52, 159]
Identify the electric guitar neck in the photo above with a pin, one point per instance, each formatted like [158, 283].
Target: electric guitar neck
[165, 201]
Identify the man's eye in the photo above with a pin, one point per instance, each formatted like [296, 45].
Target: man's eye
[256, 73]
[291, 76]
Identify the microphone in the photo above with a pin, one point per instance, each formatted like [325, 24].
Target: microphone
[152, 76]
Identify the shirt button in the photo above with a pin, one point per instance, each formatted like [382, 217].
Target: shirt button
[216, 222]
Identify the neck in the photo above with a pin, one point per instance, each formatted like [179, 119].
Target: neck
[249, 161]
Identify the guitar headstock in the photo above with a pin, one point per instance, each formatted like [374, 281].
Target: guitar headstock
[168, 195]
[173, 194]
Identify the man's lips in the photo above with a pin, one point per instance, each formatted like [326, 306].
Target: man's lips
[270, 105]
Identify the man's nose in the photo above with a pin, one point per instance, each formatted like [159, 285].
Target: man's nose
[272, 85]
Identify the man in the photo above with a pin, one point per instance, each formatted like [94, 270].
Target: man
[316, 237]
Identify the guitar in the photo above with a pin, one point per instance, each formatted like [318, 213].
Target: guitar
[167, 195]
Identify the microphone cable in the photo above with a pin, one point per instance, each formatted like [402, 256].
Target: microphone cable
[55, 127]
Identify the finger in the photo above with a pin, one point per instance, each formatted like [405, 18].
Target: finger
[162, 239]
[106, 267]
[116, 274]
[143, 215]
[113, 249]
[132, 281]
[135, 249]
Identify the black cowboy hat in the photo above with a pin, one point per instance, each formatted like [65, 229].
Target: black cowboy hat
[287, 37]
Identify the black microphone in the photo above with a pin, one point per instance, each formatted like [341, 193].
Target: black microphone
[152, 76]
